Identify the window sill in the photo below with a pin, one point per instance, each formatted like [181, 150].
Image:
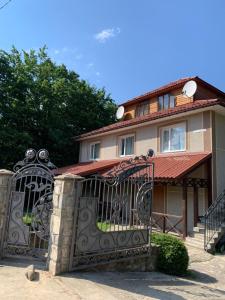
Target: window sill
[128, 155]
[173, 151]
[94, 159]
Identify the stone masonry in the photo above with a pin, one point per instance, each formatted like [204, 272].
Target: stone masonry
[5, 177]
[62, 223]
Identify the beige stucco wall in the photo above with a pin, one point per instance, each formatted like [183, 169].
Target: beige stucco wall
[219, 154]
[200, 172]
[146, 138]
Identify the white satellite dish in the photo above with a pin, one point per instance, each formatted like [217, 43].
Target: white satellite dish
[120, 112]
[189, 88]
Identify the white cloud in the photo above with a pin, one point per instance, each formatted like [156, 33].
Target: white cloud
[106, 34]
[90, 65]
[97, 74]
[56, 51]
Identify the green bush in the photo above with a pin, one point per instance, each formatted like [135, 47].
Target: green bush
[173, 257]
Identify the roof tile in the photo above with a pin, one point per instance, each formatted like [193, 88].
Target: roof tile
[170, 166]
[154, 116]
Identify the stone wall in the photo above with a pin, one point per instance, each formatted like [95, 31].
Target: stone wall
[5, 177]
[62, 223]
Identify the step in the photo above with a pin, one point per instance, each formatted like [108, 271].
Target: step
[198, 236]
[199, 229]
[200, 225]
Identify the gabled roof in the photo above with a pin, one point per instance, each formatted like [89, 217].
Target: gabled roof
[198, 104]
[174, 84]
[170, 166]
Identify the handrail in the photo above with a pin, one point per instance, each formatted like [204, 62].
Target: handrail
[214, 218]
[163, 223]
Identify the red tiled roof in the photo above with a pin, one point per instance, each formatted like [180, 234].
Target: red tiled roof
[162, 89]
[170, 166]
[175, 84]
[88, 168]
[198, 104]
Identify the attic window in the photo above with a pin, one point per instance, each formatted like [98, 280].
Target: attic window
[166, 101]
[142, 109]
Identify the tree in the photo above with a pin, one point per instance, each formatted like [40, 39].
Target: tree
[44, 105]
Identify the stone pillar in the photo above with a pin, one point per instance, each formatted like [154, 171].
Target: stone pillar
[66, 189]
[5, 177]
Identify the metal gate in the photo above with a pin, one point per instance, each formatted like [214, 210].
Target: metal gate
[113, 214]
[30, 206]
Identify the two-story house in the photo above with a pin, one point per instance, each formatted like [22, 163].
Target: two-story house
[187, 135]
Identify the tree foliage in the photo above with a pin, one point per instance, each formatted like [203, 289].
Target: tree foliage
[44, 105]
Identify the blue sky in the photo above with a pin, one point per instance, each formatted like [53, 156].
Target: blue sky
[127, 46]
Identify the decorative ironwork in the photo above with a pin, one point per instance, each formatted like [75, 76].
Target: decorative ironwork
[186, 182]
[91, 239]
[128, 168]
[30, 205]
[114, 213]
[214, 219]
[104, 258]
[32, 157]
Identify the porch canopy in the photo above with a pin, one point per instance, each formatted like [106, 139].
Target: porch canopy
[169, 168]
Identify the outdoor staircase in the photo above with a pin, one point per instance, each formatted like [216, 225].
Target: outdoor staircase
[196, 237]
[212, 229]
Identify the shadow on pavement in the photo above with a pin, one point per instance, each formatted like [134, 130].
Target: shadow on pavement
[22, 263]
[146, 284]
[200, 277]
[134, 282]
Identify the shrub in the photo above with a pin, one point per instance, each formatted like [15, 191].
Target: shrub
[173, 257]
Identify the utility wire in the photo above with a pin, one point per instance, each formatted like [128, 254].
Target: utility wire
[1, 7]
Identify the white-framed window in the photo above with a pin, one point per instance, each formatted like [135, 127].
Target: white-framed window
[173, 138]
[95, 150]
[126, 145]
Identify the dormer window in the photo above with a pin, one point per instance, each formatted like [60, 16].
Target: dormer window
[166, 101]
[142, 109]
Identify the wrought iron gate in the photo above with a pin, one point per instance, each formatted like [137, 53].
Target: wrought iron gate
[30, 206]
[113, 214]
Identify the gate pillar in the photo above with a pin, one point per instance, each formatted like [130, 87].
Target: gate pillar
[66, 191]
[5, 176]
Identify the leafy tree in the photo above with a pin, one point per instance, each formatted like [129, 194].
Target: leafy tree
[44, 105]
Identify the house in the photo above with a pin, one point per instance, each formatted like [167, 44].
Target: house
[187, 136]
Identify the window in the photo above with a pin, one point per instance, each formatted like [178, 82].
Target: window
[142, 109]
[166, 101]
[95, 150]
[173, 138]
[126, 145]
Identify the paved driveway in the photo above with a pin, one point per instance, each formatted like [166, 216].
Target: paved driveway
[206, 281]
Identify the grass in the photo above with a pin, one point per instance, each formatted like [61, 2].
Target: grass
[103, 226]
[27, 219]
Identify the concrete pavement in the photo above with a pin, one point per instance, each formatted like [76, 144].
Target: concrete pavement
[206, 280]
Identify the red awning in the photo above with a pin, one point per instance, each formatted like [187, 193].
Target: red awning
[171, 166]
